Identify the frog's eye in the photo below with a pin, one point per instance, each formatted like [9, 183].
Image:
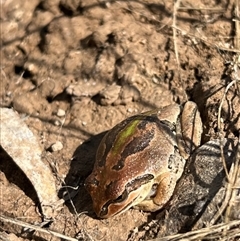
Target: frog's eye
[104, 211]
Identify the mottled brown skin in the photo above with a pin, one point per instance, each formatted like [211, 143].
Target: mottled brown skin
[137, 163]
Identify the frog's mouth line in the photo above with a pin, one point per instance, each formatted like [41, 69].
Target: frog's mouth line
[105, 209]
[126, 207]
[117, 202]
[129, 189]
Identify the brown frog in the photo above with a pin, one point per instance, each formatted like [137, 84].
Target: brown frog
[140, 160]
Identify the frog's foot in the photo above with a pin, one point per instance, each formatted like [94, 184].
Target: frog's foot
[162, 191]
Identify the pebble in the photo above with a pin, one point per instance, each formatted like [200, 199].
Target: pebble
[57, 146]
[61, 113]
[57, 122]
[130, 110]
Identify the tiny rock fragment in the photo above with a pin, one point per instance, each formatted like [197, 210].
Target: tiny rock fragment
[61, 113]
[57, 146]
[57, 122]
[130, 110]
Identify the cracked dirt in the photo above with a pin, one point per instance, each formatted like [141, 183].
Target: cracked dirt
[74, 69]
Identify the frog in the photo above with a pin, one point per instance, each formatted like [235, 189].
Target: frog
[140, 160]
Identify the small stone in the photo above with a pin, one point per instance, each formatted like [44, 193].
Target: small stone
[57, 146]
[31, 67]
[61, 113]
[130, 110]
[57, 122]
[108, 4]
[8, 94]
[143, 41]
[155, 80]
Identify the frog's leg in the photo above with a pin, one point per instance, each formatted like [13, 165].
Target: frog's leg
[162, 191]
[189, 129]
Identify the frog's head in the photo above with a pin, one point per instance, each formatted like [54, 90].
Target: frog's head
[114, 196]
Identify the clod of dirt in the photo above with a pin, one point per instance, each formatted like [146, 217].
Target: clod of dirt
[20, 12]
[40, 20]
[26, 103]
[10, 237]
[109, 94]
[213, 92]
[128, 94]
[84, 88]
[73, 62]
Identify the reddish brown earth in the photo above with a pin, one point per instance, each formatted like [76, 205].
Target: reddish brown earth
[74, 69]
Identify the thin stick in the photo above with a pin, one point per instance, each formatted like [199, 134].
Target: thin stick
[201, 233]
[202, 9]
[235, 177]
[175, 8]
[34, 227]
[219, 126]
[237, 25]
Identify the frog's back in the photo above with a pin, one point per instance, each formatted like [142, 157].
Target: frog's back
[138, 144]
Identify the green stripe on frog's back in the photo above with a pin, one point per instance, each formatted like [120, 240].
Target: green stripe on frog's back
[117, 134]
[121, 139]
[133, 139]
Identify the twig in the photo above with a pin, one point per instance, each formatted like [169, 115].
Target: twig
[237, 25]
[220, 129]
[201, 9]
[235, 178]
[201, 233]
[34, 227]
[175, 8]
